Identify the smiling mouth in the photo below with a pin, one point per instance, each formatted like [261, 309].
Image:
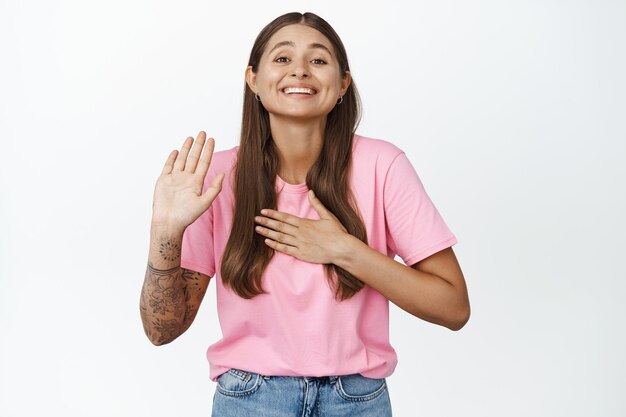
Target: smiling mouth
[299, 91]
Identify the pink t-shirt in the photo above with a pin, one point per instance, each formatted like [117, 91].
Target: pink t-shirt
[299, 329]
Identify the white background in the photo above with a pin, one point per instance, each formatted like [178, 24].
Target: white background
[512, 112]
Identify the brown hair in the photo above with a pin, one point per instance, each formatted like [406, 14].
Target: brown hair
[246, 255]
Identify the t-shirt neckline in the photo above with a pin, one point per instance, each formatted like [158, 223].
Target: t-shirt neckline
[285, 187]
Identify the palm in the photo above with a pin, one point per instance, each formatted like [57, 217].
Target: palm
[178, 198]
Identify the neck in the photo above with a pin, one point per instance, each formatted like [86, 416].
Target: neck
[298, 144]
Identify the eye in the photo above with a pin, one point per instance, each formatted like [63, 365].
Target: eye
[283, 59]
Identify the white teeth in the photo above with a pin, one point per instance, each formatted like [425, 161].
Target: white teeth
[290, 90]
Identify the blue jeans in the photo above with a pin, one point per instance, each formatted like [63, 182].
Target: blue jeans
[242, 393]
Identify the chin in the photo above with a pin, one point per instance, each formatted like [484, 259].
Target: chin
[298, 114]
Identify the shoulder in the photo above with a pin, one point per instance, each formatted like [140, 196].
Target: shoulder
[223, 161]
[370, 149]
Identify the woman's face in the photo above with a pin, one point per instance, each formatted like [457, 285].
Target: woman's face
[298, 56]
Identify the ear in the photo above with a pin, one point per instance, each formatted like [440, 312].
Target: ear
[251, 78]
[345, 82]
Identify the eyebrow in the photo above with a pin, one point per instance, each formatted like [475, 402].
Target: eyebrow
[314, 45]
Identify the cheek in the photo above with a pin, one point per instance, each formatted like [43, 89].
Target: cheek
[333, 83]
[268, 81]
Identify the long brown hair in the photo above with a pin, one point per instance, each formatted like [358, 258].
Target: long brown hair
[246, 255]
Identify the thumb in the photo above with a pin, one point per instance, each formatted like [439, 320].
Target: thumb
[214, 189]
[318, 206]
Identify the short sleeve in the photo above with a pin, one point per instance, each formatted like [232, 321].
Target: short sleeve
[197, 251]
[415, 229]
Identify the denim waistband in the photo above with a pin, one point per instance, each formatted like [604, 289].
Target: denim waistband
[246, 374]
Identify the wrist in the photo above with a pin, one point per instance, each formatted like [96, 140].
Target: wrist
[166, 229]
[347, 249]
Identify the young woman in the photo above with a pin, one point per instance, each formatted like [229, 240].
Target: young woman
[299, 224]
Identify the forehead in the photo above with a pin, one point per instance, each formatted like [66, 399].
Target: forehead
[300, 35]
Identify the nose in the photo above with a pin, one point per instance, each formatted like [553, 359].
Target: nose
[300, 74]
[300, 69]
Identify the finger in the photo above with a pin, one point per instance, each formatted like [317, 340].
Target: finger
[277, 236]
[179, 164]
[323, 212]
[169, 164]
[319, 207]
[205, 160]
[281, 216]
[276, 225]
[217, 181]
[194, 156]
[281, 247]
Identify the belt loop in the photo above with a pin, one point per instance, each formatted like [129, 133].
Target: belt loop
[333, 379]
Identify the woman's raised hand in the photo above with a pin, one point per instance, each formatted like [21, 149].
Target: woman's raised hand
[178, 198]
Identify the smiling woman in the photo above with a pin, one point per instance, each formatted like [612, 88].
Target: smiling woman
[300, 225]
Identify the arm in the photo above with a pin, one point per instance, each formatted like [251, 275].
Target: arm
[433, 289]
[171, 295]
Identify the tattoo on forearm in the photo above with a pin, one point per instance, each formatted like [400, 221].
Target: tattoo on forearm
[190, 314]
[169, 250]
[163, 294]
[168, 329]
[167, 303]
[166, 293]
[192, 279]
[192, 283]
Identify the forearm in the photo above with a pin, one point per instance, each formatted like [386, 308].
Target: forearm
[163, 295]
[421, 294]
